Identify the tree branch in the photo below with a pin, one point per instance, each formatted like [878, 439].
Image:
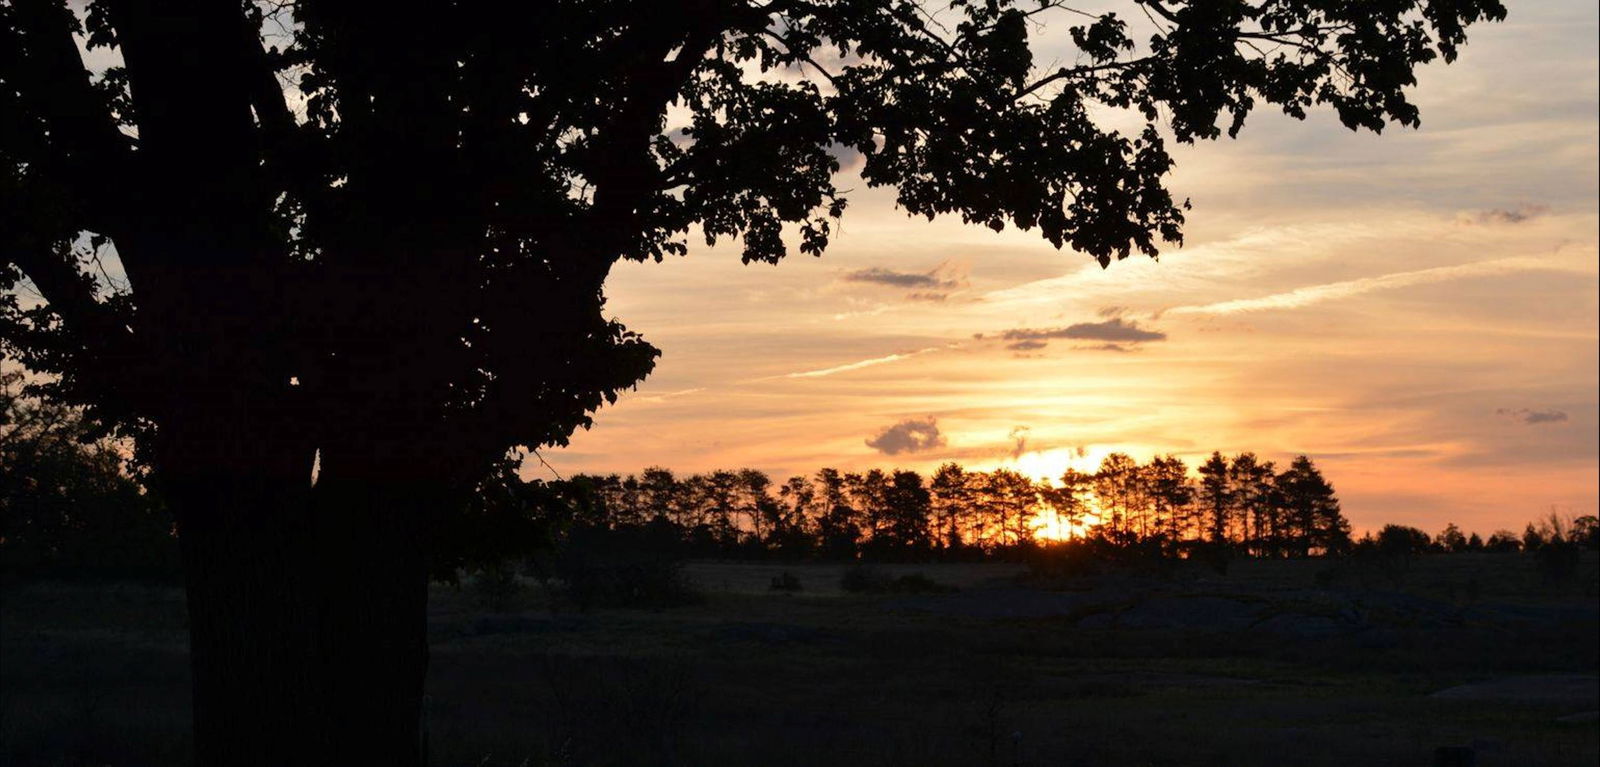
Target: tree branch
[89, 151]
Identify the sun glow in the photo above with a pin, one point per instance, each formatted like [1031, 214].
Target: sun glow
[1050, 527]
[1048, 465]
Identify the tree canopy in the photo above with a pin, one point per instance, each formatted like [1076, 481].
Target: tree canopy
[407, 220]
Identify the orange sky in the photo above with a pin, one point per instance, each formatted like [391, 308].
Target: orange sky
[1417, 312]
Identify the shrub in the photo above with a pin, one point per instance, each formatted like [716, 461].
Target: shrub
[1558, 560]
[786, 581]
[863, 578]
[917, 583]
[628, 567]
[496, 585]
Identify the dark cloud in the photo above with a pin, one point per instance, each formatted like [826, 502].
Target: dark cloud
[1508, 215]
[880, 276]
[1026, 345]
[1113, 331]
[913, 435]
[1533, 417]
[934, 285]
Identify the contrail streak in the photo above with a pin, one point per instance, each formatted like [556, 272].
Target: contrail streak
[1315, 294]
[858, 365]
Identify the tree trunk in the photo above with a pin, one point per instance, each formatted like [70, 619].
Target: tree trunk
[307, 607]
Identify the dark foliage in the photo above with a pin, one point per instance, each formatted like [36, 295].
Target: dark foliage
[68, 504]
[786, 581]
[637, 567]
[865, 579]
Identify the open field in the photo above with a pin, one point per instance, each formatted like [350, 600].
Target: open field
[1269, 665]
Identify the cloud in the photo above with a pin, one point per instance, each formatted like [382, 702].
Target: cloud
[1533, 417]
[1316, 294]
[1114, 330]
[1019, 437]
[913, 435]
[934, 285]
[668, 395]
[880, 276]
[1506, 215]
[1027, 345]
[857, 365]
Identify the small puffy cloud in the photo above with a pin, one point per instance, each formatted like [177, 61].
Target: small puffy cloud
[1026, 345]
[1532, 417]
[913, 435]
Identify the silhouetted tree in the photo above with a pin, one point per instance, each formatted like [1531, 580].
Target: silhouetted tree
[1586, 531]
[658, 491]
[1504, 541]
[951, 498]
[397, 265]
[1216, 497]
[1250, 484]
[907, 509]
[1012, 499]
[838, 523]
[869, 497]
[1403, 540]
[1167, 480]
[1532, 538]
[788, 532]
[1450, 539]
[1313, 519]
[755, 504]
[1117, 487]
[1070, 501]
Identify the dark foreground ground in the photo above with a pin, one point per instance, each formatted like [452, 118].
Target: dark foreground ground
[1270, 665]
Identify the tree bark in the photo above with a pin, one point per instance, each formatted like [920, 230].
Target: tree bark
[307, 606]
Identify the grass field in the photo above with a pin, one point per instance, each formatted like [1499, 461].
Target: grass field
[1269, 665]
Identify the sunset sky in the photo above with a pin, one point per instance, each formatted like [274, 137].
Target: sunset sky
[1416, 311]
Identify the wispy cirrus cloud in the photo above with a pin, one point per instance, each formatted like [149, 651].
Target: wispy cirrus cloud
[1506, 215]
[1533, 417]
[1316, 294]
[866, 363]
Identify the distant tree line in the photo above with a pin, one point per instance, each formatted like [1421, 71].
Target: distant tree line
[1244, 503]
[1552, 531]
[70, 501]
